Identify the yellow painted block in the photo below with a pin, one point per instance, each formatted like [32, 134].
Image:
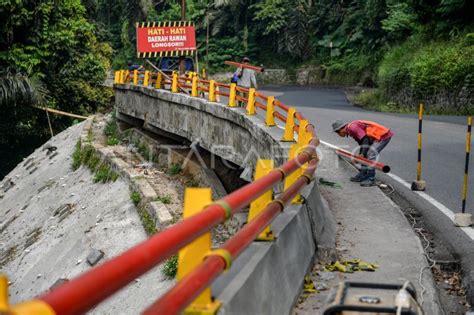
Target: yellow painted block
[146, 78]
[212, 91]
[263, 167]
[195, 199]
[232, 94]
[159, 78]
[251, 102]
[290, 125]
[270, 120]
[291, 179]
[174, 83]
[135, 77]
[194, 88]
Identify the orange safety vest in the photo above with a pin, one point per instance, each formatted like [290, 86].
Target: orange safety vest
[375, 130]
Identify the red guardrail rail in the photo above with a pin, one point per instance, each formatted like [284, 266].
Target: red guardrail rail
[90, 288]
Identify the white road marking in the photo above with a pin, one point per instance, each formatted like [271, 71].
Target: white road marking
[438, 205]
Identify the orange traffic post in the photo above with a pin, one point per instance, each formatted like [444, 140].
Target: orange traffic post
[196, 199]
[289, 134]
[232, 94]
[295, 149]
[251, 102]
[263, 167]
[270, 120]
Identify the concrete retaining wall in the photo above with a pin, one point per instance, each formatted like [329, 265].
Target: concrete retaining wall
[268, 276]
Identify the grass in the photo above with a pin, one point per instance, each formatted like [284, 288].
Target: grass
[166, 199]
[87, 156]
[111, 131]
[193, 183]
[136, 198]
[171, 267]
[175, 169]
[374, 100]
[147, 222]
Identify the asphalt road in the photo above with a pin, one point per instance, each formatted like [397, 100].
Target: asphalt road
[444, 140]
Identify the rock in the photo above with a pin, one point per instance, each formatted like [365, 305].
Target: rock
[322, 287]
[94, 257]
[59, 282]
[327, 276]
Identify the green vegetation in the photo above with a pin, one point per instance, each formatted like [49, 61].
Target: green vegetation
[166, 199]
[136, 198]
[57, 54]
[175, 169]
[147, 222]
[86, 155]
[170, 268]
[111, 131]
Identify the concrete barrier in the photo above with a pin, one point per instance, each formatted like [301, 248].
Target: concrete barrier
[268, 276]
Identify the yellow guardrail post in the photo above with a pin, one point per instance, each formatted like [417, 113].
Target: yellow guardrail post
[263, 167]
[174, 83]
[289, 134]
[25, 308]
[251, 102]
[290, 179]
[117, 77]
[146, 78]
[194, 88]
[270, 120]
[232, 94]
[127, 76]
[159, 78]
[122, 76]
[212, 91]
[135, 77]
[302, 133]
[196, 199]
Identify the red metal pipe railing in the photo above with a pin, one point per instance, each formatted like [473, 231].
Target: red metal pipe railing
[377, 165]
[186, 290]
[76, 297]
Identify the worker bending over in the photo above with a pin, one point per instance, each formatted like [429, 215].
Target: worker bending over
[372, 139]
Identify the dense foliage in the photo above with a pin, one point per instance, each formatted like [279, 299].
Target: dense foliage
[57, 53]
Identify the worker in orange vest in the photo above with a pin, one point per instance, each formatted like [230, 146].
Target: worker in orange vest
[372, 139]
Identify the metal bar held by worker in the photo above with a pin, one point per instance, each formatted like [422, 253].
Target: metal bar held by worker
[361, 160]
[244, 65]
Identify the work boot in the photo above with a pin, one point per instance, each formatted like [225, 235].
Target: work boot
[359, 177]
[369, 180]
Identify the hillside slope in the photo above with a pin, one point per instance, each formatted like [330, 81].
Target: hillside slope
[52, 218]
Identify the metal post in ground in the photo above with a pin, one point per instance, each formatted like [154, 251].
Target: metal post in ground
[419, 184]
[464, 219]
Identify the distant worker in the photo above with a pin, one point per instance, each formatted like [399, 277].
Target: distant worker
[372, 139]
[246, 77]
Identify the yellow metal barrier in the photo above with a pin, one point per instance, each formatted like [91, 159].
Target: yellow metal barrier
[196, 199]
[251, 102]
[146, 78]
[270, 120]
[117, 77]
[290, 179]
[135, 77]
[303, 136]
[194, 88]
[232, 94]
[212, 91]
[174, 83]
[263, 167]
[159, 78]
[290, 125]
[36, 307]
